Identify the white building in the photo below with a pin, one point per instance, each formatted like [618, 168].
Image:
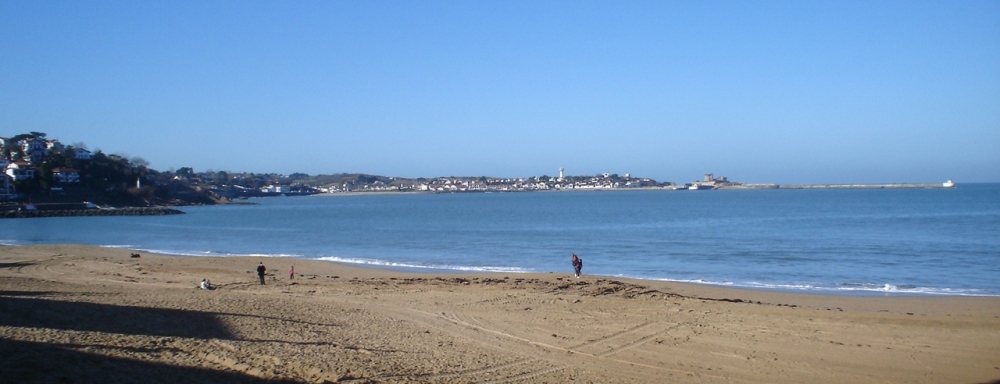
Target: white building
[276, 189]
[34, 149]
[20, 171]
[54, 145]
[66, 175]
[81, 154]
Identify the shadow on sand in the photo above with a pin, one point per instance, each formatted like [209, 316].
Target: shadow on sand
[90, 317]
[69, 362]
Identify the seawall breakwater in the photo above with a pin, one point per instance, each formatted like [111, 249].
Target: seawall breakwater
[832, 186]
[130, 211]
[843, 186]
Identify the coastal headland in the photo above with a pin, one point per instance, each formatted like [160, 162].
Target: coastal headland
[88, 314]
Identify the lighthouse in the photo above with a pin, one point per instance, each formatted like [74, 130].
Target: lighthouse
[561, 169]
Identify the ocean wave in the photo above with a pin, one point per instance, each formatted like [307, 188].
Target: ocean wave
[174, 252]
[870, 288]
[119, 246]
[393, 264]
[692, 281]
[841, 288]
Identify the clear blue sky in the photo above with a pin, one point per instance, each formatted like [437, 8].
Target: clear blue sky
[759, 91]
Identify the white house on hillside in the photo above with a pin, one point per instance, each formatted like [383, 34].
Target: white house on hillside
[20, 171]
[66, 175]
[34, 149]
[54, 145]
[81, 154]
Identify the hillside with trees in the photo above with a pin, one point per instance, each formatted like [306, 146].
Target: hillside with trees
[62, 174]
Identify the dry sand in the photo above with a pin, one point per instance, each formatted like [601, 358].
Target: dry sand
[73, 314]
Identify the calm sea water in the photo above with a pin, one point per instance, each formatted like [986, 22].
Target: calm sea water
[923, 241]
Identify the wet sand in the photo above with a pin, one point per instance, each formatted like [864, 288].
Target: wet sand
[71, 313]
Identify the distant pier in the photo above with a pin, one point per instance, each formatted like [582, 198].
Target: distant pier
[851, 186]
[835, 186]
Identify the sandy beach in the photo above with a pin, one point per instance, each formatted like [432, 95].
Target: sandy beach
[81, 314]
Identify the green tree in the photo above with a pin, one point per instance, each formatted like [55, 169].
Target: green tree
[221, 177]
[139, 162]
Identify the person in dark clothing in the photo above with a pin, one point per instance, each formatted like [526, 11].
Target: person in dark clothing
[577, 265]
[260, 272]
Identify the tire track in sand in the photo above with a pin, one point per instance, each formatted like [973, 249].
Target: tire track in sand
[607, 355]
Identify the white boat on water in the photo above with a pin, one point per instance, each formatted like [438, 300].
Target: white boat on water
[949, 184]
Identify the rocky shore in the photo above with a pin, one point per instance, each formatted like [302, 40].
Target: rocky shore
[129, 211]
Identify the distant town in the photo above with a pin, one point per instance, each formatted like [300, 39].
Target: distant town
[43, 172]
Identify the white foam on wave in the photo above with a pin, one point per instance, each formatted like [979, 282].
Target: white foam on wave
[369, 262]
[871, 288]
[695, 281]
[849, 288]
[174, 252]
[116, 246]
[393, 264]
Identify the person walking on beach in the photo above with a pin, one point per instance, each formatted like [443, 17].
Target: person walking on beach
[577, 265]
[260, 272]
[291, 273]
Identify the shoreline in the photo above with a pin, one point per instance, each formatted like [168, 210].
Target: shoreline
[422, 270]
[694, 289]
[345, 323]
[699, 290]
[816, 291]
[447, 271]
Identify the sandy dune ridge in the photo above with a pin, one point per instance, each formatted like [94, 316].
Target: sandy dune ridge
[71, 313]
